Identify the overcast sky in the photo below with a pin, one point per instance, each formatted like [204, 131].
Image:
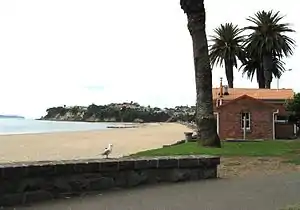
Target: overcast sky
[78, 52]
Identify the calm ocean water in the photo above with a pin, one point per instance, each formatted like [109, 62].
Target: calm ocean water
[22, 126]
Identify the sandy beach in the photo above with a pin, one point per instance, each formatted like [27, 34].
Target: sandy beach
[88, 144]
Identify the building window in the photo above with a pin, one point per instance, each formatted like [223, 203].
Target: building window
[245, 120]
[281, 119]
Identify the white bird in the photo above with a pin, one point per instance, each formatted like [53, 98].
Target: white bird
[107, 150]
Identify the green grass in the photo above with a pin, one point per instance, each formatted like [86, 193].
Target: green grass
[289, 149]
[294, 207]
[295, 160]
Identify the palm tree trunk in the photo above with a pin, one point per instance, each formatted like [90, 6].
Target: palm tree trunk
[205, 120]
[268, 65]
[260, 78]
[229, 73]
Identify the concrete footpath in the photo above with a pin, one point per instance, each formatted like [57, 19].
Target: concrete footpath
[252, 193]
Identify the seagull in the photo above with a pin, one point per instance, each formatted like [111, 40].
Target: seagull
[107, 150]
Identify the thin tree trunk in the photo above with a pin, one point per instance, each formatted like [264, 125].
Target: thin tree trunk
[205, 120]
[260, 78]
[268, 66]
[229, 73]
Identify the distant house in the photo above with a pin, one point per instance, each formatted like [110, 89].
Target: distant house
[252, 113]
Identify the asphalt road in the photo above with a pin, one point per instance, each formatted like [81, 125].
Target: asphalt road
[254, 193]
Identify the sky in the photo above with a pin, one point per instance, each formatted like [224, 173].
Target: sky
[79, 52]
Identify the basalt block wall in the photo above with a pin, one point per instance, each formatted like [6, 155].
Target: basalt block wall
[22, 183]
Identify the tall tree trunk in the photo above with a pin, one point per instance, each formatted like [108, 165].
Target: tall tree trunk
[260, 78]
[205, 120]
[268, 67]
[229, 73]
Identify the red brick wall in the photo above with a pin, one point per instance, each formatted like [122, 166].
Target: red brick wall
[261, 120]
[281, 108]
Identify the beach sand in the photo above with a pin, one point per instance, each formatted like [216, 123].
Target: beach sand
[88, 144]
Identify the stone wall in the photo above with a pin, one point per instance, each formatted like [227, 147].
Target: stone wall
[22, 183]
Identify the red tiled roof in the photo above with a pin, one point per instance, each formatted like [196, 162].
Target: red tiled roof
[275, 94]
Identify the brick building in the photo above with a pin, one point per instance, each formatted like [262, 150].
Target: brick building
[252, 113]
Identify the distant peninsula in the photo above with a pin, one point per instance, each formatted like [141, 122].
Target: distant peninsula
[12, 116]
[119, 112]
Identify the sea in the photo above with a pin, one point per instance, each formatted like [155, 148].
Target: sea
[10, 126]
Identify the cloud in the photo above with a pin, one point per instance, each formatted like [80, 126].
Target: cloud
[77, 52]
[7, 8]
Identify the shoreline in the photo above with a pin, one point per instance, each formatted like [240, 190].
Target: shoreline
[108, 126]
[87, 131]
[63, 132]
[88, 144]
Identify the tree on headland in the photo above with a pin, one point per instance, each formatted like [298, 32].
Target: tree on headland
[227, 48]
[268, 42]
[205, 120]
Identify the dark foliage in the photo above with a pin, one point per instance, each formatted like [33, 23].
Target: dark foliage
[293, 106]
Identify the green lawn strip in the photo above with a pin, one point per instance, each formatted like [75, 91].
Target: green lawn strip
[294, 159]
[289, 149]
[293, 207]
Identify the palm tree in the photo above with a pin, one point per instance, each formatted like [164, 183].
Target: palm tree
[206, 123]
[226, 48]
[253, 65]
[269, 41]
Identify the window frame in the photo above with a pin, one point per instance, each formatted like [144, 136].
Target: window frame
[247, 120]
[285, 120]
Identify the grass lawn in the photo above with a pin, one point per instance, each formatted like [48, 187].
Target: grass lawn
[286, 149]
[294, 207]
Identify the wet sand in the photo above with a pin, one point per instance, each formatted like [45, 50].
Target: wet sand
[88, 144]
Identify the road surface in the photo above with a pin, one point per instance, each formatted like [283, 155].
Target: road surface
[259, 193]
